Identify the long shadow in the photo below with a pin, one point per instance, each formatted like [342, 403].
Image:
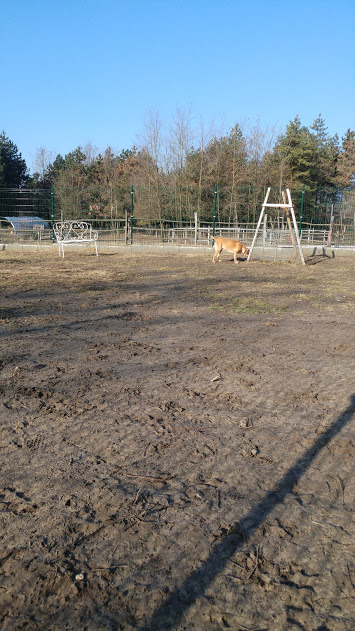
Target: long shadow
[18, 313]
[172, 610]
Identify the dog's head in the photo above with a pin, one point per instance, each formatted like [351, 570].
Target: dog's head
[245, 250]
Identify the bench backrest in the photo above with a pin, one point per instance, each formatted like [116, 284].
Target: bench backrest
[74, 231]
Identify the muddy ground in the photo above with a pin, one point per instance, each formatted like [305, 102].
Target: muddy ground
[176, 443]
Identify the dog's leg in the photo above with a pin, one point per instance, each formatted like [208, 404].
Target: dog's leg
[217, 253]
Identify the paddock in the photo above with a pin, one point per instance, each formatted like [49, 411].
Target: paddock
[176, 441]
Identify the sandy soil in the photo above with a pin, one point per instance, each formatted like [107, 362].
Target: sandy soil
[176, 443]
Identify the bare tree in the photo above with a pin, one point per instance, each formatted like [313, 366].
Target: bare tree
[152, 138]
[181, 139]
[205, 137]
[259, 142]
[43, 158]
[150, 143]
[91, 152]
[151, 151]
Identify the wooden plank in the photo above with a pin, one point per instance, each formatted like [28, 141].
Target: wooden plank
[289, 223]
[277, 205]
[259, 223]
[295, 227]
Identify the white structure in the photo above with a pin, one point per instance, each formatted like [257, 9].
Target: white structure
[287, 206]
[74, 233]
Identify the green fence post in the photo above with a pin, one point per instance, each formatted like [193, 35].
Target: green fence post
[214, 212]
[131, 214]
[301, 215]
[52, 199]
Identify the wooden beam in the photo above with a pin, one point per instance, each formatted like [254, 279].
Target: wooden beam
[277, 205]
[259, 223]
[289, 223]
[295, 227]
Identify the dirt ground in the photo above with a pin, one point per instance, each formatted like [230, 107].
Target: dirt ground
[176, 443]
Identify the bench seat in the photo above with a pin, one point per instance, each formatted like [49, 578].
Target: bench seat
[74, 233]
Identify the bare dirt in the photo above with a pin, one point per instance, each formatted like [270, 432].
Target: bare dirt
[176, 443]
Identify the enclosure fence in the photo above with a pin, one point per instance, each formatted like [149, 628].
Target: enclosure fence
[183, 217]
[112, 234]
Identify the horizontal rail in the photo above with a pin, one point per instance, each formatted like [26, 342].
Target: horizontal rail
[196, 235]
[278, 206]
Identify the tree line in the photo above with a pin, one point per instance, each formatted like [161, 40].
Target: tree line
[174, 174]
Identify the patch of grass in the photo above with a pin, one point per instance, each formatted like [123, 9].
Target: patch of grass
[252, 306]
[89, 289]
[304, 297]
[304, 280]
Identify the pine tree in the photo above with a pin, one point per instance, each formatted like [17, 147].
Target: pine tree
[13, 169]
[294, 152]
[325, 154]
[346, 161]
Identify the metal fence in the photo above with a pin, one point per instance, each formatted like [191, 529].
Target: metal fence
[232, 206]
[26, 203]
[132, 219]
[119, 233]
[26, 237]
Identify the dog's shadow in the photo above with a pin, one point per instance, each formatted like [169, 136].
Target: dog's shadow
[239, 260]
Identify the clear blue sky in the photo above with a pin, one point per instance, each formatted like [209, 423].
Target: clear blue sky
[74, 71]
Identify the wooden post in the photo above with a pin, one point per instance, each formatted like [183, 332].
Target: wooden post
[214, 213]
[132, 206]
[330, 226]
[295, 226]
[259, 223]
[289, 222]
[264, 230]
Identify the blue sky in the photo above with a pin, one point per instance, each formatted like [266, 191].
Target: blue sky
[79, 71]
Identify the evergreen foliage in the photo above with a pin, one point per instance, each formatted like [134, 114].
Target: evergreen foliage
[174, 176]
[13, 170]
[346, 161]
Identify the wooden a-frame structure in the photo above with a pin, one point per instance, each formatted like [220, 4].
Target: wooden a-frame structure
[287, 206]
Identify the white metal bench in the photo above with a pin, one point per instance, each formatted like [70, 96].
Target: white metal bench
[73, 233]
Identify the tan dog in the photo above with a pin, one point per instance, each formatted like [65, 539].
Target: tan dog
[235, 247]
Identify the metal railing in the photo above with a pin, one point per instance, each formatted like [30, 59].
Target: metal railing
[119, 234]
[25, 236]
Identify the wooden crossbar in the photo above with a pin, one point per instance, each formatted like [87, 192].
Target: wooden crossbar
[277, 206]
